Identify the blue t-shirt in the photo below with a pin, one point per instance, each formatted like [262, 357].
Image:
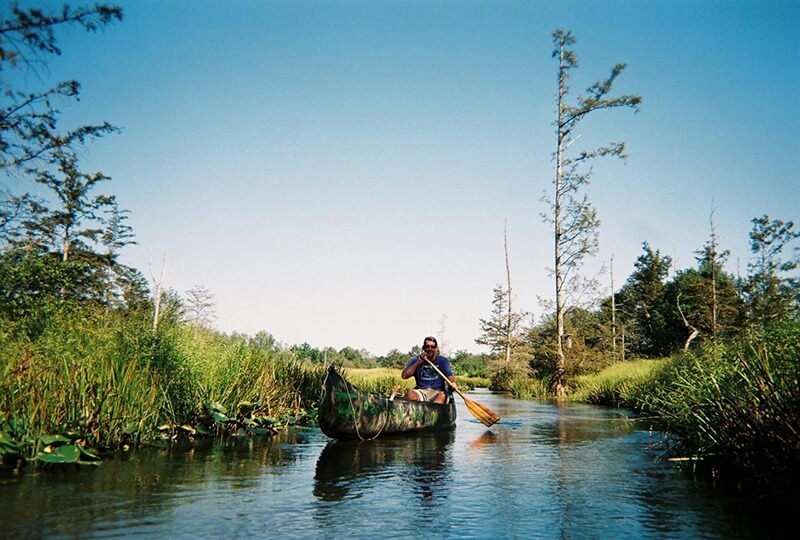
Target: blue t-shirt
[426, 376]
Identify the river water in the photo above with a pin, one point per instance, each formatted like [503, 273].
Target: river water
[545, 471]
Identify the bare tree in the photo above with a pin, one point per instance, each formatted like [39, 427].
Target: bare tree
[158, 294]
[510, 311]
[502, 332]
[198, 308]
[574, 220]
[613, 310]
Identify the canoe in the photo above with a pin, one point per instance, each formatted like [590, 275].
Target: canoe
[346, 412]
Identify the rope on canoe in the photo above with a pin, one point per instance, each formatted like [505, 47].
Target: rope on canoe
[357, 416]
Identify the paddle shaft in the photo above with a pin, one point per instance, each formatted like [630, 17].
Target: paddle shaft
[446, 380]
[481, 412]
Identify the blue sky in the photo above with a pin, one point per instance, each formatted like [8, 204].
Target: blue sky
[339, 173]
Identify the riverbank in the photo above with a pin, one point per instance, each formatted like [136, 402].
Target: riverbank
[93, 381]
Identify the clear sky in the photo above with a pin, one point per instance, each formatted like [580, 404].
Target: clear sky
[339, 173]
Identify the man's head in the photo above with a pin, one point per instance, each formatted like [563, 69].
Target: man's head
[430, 347]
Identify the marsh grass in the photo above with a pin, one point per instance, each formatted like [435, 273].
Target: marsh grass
[384, 380]
[732, 409]
[523, 387]
[102, 380]
[77, 380]
[619, 385]
[737, 407]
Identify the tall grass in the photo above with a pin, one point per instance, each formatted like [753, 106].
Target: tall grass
[737, 407]
[527, 388]
[77, 379]
[732, 408]
[619, 385]
[385, 380]
[102, 379]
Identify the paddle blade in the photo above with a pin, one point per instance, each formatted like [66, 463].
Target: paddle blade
[481, 412]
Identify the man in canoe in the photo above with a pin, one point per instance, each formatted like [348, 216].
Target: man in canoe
[430, 385]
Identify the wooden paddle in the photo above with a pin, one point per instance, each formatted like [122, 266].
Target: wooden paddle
[481, 412]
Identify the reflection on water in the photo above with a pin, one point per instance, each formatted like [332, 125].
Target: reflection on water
[344, 465]
[545, 471]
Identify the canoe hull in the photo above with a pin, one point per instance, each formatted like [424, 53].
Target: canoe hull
[346, 412]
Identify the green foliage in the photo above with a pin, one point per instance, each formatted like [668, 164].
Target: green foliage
[101, 379]
[75, 380]
[527, 388]
[29, 118]
[394, 359]
[347, 356]
[620, 385]
[469, 365]
[640, 303]
[503, 329]
[737, 406]
[771, 291]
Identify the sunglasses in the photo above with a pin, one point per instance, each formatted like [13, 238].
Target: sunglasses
[429, 347]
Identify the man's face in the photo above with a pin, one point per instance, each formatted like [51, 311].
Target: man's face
[429, 348]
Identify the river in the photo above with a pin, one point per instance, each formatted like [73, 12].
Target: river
[545, 471]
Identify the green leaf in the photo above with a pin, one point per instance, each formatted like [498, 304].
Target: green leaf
[68, 453]
[50, 440]
[86, 455]
[216, 407]
[131, 428]
[246, 408]
[219, 417]
[10, 448]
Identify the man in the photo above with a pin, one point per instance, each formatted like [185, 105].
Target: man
[430, 385]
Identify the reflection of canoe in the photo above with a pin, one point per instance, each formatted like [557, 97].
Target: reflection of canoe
[345, 412]
[345, 464]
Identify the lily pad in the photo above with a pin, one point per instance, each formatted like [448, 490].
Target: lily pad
[68, 453]
[219, 417]
[246, 408]
[86, 455]
[51, 440]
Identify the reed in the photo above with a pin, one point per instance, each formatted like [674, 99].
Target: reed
[737, 407]
[619, 385]
[98, 379]
[523, 387]
[75, 379]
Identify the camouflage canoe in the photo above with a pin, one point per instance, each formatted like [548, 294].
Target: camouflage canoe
[346, 412]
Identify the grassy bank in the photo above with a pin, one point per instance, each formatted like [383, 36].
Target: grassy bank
[733, 410]
[385, 380]
[92, 381]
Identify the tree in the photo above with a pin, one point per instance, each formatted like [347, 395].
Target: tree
[66, 247]
[715, 294]
[198, 307]
[77, 223]
[501, 332]
[574, 220]
[771, 292]
[29, 119]
[639, 299]
[697, 304]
